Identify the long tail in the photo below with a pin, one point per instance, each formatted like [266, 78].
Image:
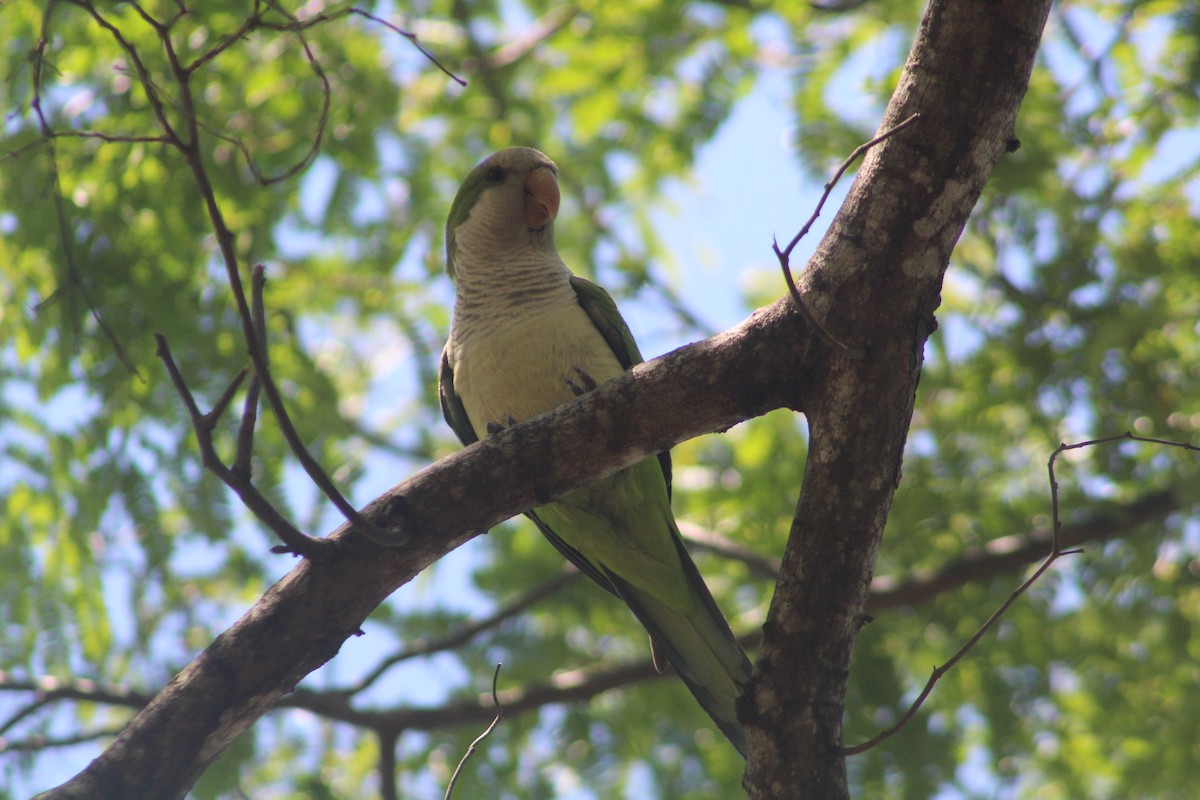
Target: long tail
[700, 646]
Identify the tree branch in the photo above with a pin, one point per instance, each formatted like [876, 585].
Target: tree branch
[464, 634]
[891, 241]
[1008, 553]
[301, 622]
[997, 559]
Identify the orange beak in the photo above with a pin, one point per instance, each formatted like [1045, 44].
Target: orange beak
[541, 197]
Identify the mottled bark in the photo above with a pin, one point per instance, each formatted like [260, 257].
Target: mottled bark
[876, 281]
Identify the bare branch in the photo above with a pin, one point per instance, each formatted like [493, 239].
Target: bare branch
[1006, 554]
[539, 31]
[475, 744]
[48, 690]
[190, 148]
[703, 539]
[322, 118]
[239, 482]
[258, 314]
[467, 633]
[187, 140]
[1056, 552]
[38, 743]
[65, 238]
[412, 37]
[569, 686]
[939, 672]
[1063, 447]
[143, 73]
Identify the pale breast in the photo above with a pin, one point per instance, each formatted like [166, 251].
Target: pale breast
[526, 367]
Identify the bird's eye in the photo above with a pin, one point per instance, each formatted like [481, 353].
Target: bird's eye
[495, 174]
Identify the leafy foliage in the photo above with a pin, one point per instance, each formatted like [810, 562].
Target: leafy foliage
[1069, 312]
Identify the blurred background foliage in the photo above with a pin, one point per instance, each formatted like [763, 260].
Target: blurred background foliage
[1070, 311]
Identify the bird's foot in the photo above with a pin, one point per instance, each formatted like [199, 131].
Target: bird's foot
[495, 427]
[586, 382]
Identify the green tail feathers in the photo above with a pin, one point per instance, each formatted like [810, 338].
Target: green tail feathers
[639, 556]
[701, 648]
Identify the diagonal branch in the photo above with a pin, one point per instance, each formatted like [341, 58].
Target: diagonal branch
[236, 479]
[303, 620]
[1001, 557]
[469, 632]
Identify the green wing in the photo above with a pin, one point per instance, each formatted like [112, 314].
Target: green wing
[603, 313]
[452, 407]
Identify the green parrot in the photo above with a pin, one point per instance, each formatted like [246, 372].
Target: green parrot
[527, 336]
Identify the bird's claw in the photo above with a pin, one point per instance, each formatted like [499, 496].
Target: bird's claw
[495, 427]
[586, 382]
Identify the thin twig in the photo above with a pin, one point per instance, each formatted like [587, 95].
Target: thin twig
[157, 105]
[38, 742]
[322, 119]
[466, 633]
[299, 25]
[412, 37]
[1056, 552]
[1127, 436]
[785, 254]
[245, 437]
[186, 139]
[480, 737]
[74, 276]
[228, 40]
[259, 505]
[190, 148]
[938, 672]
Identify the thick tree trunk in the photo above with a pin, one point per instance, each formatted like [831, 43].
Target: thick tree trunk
[876, 281]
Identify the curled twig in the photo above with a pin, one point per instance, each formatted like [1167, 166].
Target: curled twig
[785, 254]
[471, 750]
[1056, 552]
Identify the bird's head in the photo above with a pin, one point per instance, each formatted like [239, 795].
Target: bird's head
[509, 200]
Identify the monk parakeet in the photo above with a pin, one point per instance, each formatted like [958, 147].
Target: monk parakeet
[528, 335]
